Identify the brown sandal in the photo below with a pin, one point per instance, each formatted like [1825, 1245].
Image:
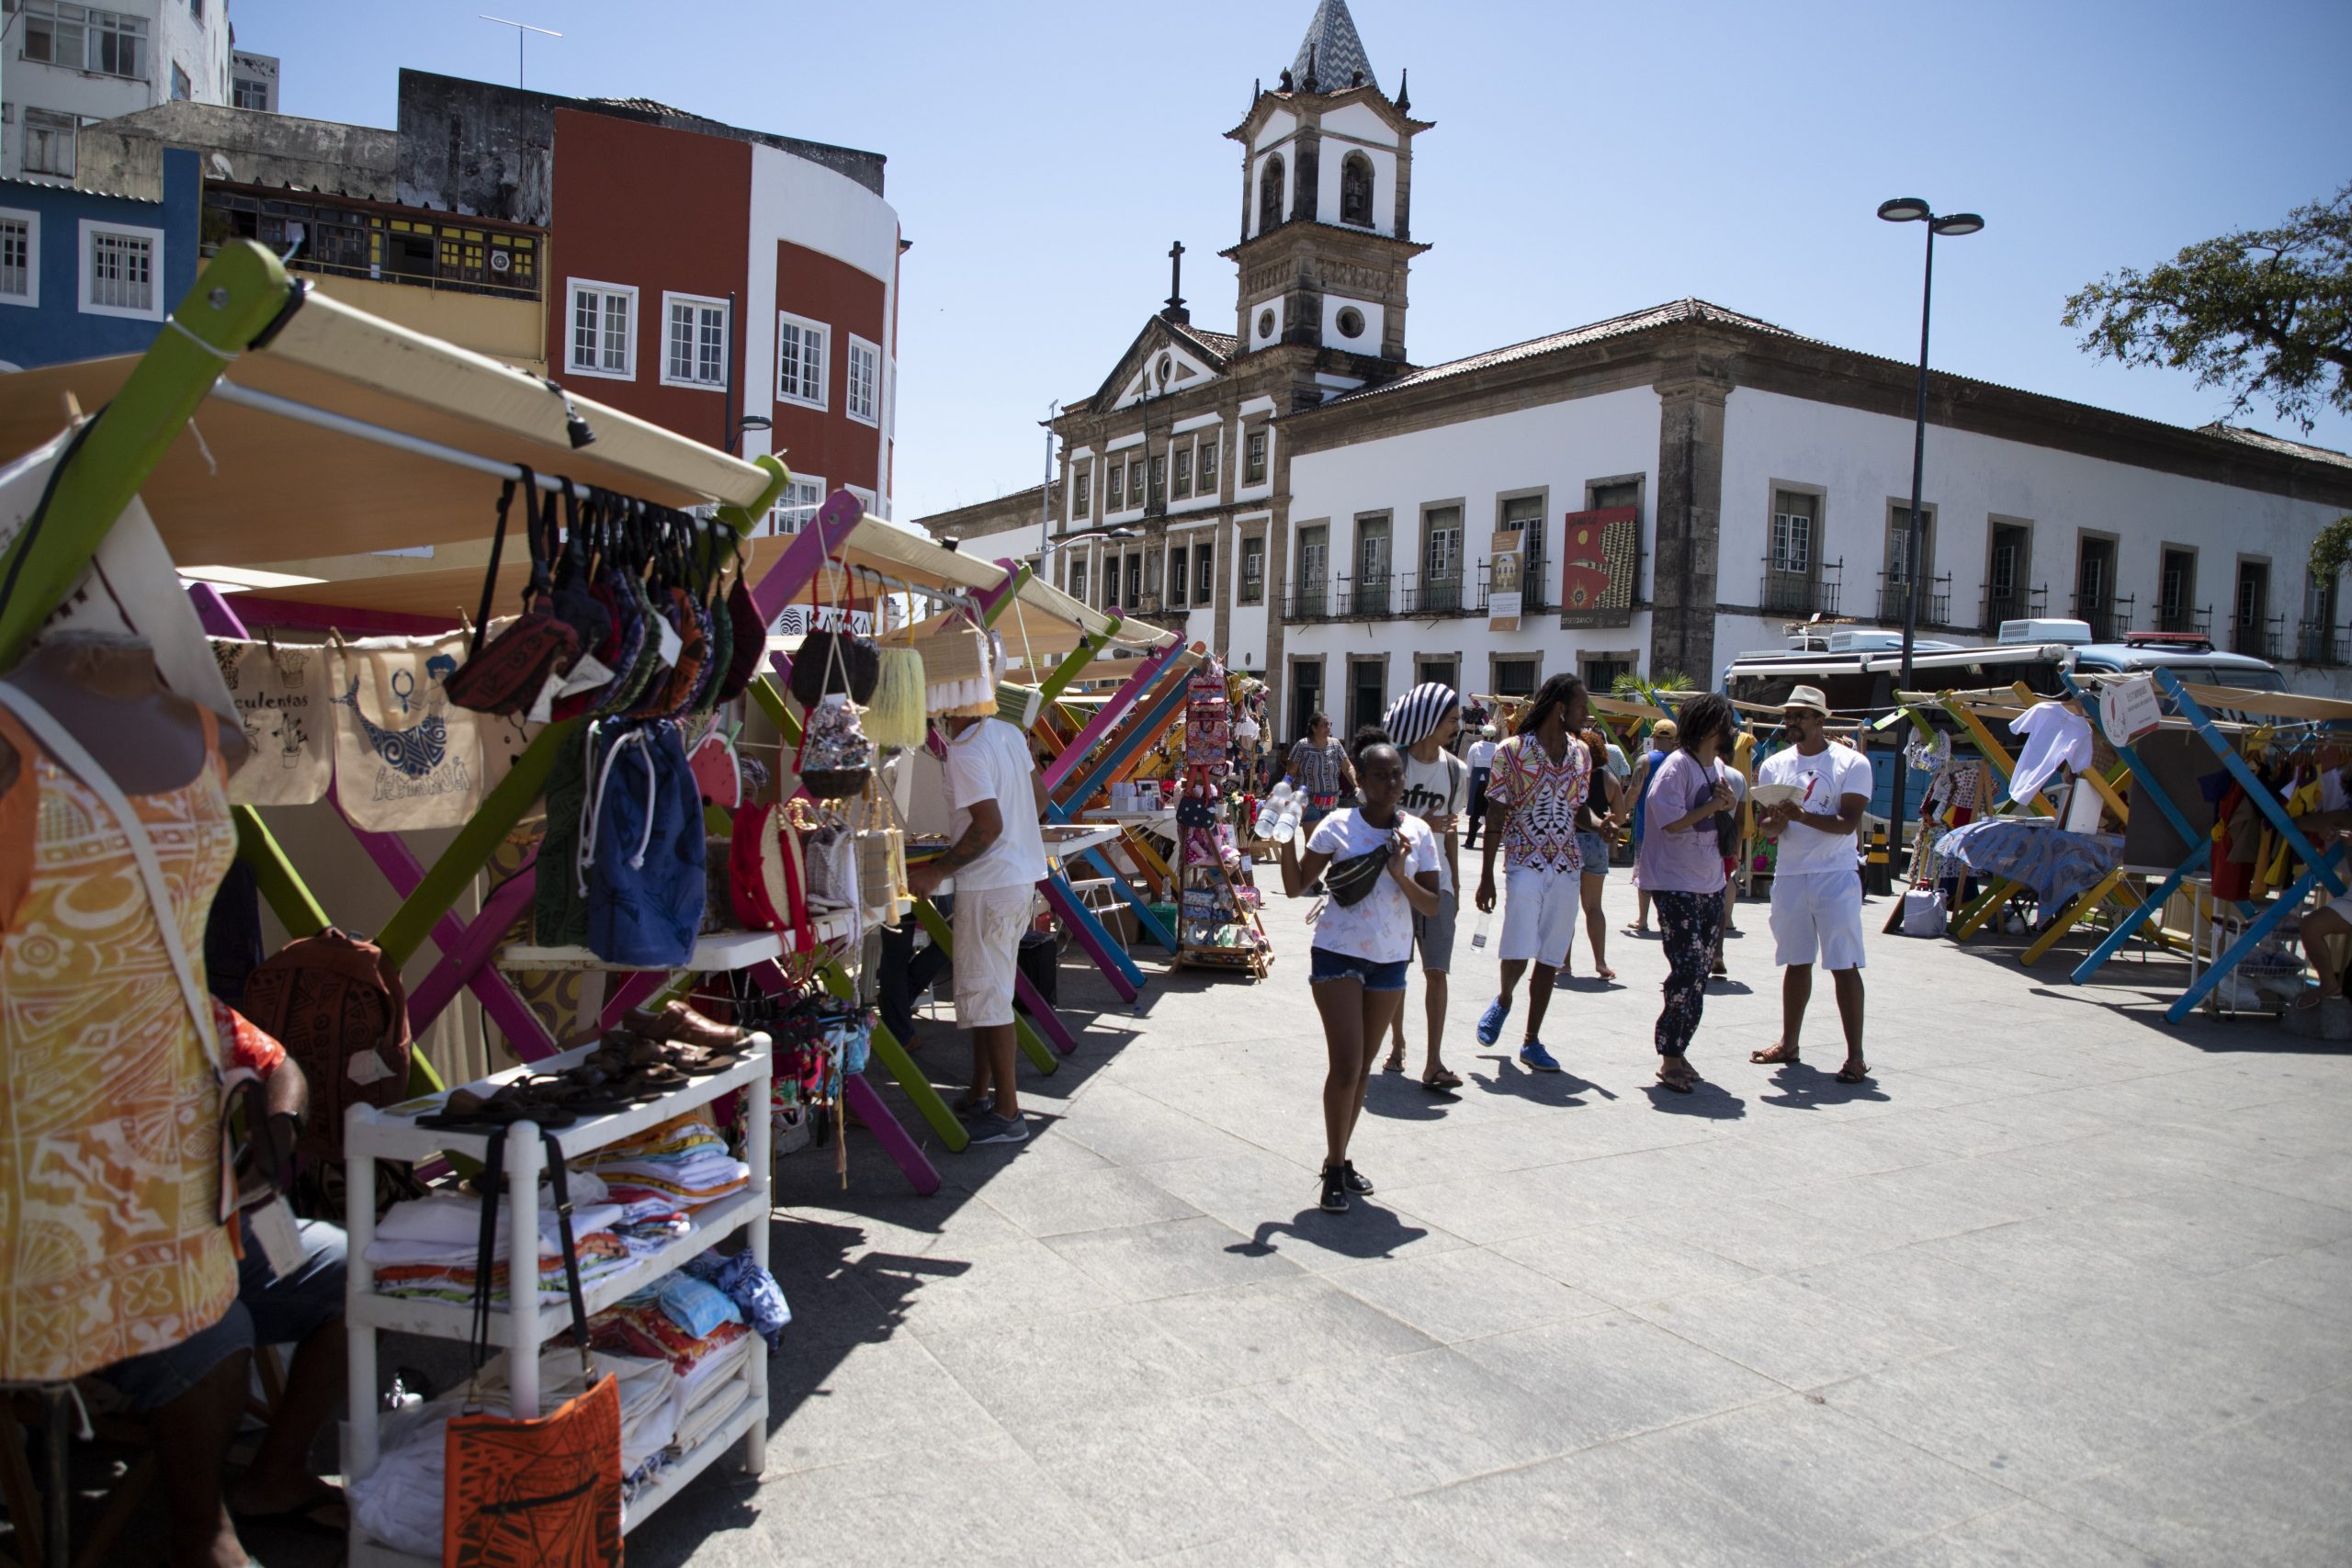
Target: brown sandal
[1778, 1053]
[1854, 1072]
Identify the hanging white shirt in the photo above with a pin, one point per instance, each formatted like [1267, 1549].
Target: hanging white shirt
[2053, 734]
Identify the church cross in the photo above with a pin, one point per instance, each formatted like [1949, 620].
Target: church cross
[1176, 276]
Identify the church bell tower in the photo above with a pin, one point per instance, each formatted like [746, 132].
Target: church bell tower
[1326, 172]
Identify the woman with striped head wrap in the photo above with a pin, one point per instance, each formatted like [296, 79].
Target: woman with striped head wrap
[1421, 723]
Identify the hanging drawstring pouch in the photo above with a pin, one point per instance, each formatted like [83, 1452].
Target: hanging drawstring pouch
[834, 659]
[828, 856]
[641, 862]
[506, 675]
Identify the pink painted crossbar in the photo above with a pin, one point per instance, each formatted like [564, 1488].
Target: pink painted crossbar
[1109, 716]
[525, 1033]
[262, 611]
[458, 965]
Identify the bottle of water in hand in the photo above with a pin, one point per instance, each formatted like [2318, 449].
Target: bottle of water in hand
[1478, 931]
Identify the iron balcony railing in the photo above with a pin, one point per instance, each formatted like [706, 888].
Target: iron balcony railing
[1935, 600]
[2257, 638]
[2178, 618]
[1800, 594]
[2317, 642]
[2008, 602]
[2110, 619]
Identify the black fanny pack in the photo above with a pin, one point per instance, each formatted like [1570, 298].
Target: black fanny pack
[1351, 880]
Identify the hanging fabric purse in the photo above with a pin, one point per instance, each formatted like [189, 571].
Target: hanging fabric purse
[506, 676]
[573, 599]
[828, 856]
[540, 1490]
[834, 660]
[640, 862]
[896, 719]
[764, 876]
[835, 757]
[751, 639]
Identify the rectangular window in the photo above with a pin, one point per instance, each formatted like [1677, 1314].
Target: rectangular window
[1205, 574]
[800, 346]
[118, 44]
[1160, 479]
[1081, 498]
[19, 258]
[1253, 462]
[182, 88]
[1134, 580]
[121, 271]
[695, 349]
[1117, 497]
[1254, 570]
[49, 142]
[865, 382]
[1515, 677]
[2176, 586]
[1207, 466]
[1077, 581]
[1523, 515]
[604, 330]
[1183, 473]
[801, 498]
[864, 498]
[57, 34]
[1792, 519]
[1178, 577]
[2250, 613]
[1899, 542]
[245, 93]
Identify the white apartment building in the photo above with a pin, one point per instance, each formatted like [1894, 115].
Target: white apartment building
[64, 65]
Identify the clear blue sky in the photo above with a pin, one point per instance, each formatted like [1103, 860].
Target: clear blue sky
[1588, 160]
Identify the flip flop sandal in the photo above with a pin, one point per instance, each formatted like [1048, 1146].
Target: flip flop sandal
[1680, 1085]
[1394, 1065]
[1444, 1083]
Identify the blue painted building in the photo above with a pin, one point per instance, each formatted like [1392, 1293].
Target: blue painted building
[84, 274]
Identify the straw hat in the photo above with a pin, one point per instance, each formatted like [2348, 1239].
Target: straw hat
[1807, 697]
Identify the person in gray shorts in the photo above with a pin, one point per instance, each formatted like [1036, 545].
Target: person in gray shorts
[1422, 724]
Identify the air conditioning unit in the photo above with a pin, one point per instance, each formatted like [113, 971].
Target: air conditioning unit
[1865, 641]
[2072, 633]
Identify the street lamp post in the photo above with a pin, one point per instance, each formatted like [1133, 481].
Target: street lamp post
[1911, 209]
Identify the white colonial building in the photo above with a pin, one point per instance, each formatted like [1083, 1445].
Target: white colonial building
[68, 65]
[1670, 487]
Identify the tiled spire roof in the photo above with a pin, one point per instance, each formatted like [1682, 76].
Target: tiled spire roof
[1333, 51]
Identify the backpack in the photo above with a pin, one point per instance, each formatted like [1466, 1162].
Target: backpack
[336, 1004]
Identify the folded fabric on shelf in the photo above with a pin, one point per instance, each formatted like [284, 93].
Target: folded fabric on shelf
[696, 1305]
[749, 1286]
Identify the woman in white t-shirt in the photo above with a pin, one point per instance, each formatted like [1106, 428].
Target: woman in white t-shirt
[1362, 949]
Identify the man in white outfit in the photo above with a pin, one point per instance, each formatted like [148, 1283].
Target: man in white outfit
[1816, 897]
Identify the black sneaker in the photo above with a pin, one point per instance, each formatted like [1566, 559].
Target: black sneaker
[1335, 1189]
[1359, 1185]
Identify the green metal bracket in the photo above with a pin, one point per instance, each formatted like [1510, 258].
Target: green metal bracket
[275, 875]
[475, 843]
[234, 297]
[1079, 657]
[744, 518]
[769, 701]
[901, 1067]
[1006, 595]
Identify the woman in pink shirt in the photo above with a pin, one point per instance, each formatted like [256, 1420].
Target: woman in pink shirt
[1683, 870]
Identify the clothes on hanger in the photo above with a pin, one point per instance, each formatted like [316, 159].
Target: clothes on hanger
[2054, 734]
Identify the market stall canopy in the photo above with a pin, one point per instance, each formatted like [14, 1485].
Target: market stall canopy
[250, 483]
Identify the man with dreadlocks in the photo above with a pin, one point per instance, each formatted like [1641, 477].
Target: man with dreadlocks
[1536, 799]
[1422, 724]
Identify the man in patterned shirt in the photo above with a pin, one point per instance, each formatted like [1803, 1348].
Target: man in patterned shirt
[1535, 798]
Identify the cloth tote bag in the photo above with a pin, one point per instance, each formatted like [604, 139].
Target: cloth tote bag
[281, 698]
[405, 756]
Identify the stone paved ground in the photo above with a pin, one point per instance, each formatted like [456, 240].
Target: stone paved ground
[2065, 1286]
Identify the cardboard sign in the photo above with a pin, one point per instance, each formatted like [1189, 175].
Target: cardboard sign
[2129, 709]
[1505, 559]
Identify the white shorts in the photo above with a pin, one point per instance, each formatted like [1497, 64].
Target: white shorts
[1819, 913]
[989, 925]
[1540, 915]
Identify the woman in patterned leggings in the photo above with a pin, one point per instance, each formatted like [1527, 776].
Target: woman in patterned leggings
[1683, 870]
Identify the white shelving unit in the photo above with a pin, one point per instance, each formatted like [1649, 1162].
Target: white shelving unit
[714, 950]
[370, 1135]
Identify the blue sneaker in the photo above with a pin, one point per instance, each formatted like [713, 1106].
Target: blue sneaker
[1535, 1059]
[1490, 1023]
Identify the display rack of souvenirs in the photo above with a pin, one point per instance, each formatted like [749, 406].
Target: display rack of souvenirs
[1217, 898]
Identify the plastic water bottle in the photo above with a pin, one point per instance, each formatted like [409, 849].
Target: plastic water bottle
[1270, 815]
[1478, 931]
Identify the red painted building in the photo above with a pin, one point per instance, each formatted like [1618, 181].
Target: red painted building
[685, 255]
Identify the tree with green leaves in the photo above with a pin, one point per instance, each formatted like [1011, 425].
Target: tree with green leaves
[2265, 313]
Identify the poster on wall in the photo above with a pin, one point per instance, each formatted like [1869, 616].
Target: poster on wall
[1598, 566]
[1504, 558]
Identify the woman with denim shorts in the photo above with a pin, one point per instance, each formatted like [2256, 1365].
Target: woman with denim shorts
[1363, 948]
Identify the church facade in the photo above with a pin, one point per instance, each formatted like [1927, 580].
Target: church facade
[1656, 491]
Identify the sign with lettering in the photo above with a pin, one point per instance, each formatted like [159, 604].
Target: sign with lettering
[1505, 558]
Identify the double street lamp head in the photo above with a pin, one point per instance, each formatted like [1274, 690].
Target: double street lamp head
[1911, 209]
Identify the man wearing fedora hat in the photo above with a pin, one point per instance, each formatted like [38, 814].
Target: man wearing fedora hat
[1816, 895]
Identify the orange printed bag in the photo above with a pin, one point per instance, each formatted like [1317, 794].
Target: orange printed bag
[543, 1491]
